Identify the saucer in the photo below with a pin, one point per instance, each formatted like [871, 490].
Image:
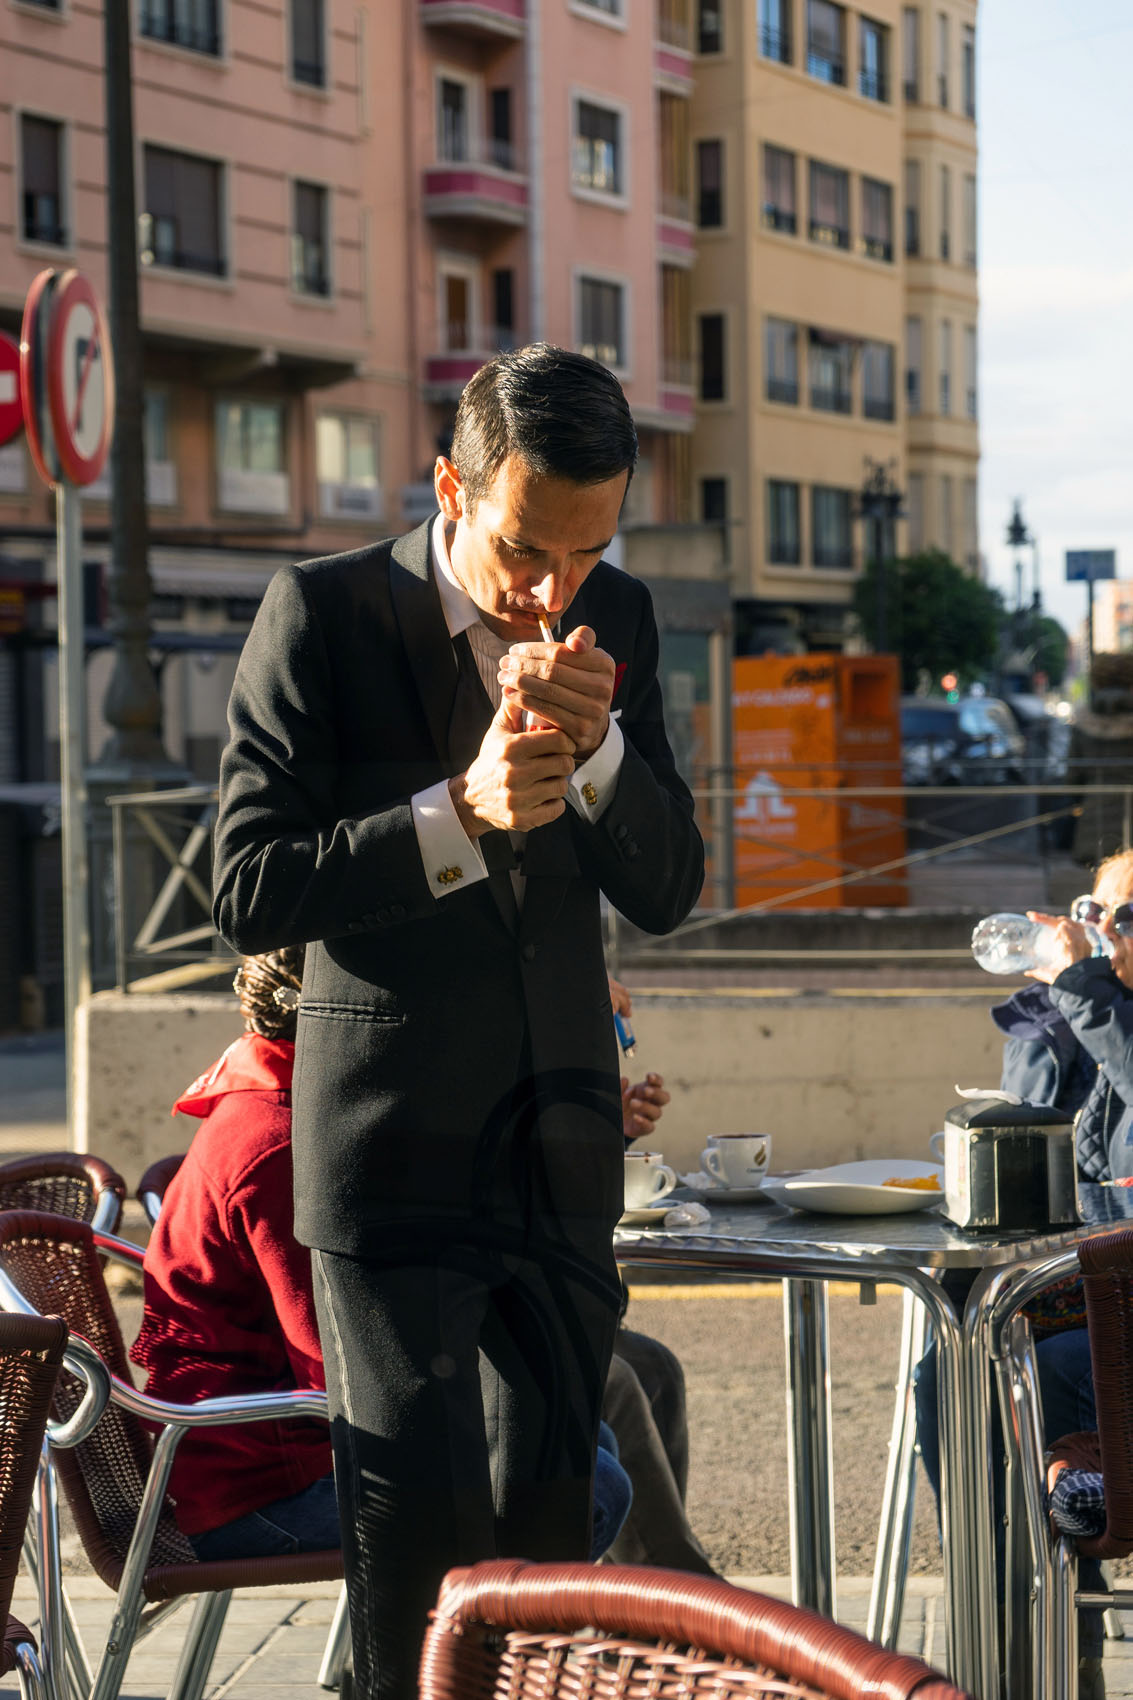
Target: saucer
[650, 1213]
[724, 1195]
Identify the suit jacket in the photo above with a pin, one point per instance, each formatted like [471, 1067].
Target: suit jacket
[429, 1026]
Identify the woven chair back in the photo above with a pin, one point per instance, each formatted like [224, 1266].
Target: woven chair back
[56, 1267]
[31, 1352]
[67, 1183]
[157, 1178]
[508, 1630]
[1107, 1270]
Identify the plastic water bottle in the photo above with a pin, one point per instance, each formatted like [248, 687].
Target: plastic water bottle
[1010, 944]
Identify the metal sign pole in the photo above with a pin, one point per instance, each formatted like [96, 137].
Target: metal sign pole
[72, 752]
[1090, 641]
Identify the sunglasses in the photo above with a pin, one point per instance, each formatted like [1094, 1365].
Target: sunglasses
[1090, 912]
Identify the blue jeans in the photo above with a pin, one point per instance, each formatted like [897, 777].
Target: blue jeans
[613, 1494]
[306, 1522]
[1066, 1389]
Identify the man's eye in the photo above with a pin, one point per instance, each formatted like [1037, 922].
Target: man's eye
[517, 552]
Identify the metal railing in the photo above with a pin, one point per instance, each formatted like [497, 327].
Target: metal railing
[162, 843]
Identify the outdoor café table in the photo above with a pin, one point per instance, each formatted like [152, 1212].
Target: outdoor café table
[913, 1250]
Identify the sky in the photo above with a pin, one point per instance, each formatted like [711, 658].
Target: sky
[1056, 285]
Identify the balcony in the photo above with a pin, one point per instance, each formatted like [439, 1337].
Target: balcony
[478, 183]
[500, 20]
[676, 238]
[672, 68]
[469, 348]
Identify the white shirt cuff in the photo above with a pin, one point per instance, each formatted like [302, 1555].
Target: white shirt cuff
[592, 786]
[450, 858]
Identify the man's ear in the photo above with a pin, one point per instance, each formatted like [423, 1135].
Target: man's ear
[449, 489]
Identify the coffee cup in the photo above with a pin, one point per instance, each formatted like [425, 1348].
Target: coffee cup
[737, 1161]
[648, 1179]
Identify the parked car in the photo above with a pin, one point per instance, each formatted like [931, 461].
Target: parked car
[972, 742]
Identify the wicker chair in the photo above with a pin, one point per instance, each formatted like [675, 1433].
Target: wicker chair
[67, 1183]
[31, 1353]
[617, 1632]
[151, 1187]
[151, 1196]
[115, 1480]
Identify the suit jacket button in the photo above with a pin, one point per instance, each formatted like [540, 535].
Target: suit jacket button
[529, 953]
[397, 911]
[621, 833]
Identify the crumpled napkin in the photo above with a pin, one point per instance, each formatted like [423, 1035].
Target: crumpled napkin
[689, 1215]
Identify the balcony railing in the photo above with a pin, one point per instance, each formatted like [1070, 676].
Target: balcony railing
[826, 66]
[785, 390]
[879, 407]
[784, 552]
[830, 235]
[830, 398]
[165, 23]
[780, 218]
[676, 207]
[673, 31]
[503, 20]
[873, 85]
[775, 44]
[313, 72]
[840, 555]
[677, 370]
[877, 247]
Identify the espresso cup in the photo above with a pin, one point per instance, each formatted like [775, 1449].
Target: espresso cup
[648, 1179]
[737, 1160]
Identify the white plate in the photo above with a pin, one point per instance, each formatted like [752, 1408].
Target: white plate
[855, 1189]
[640, 1218]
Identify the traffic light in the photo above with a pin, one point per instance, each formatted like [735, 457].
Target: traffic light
[950, 684]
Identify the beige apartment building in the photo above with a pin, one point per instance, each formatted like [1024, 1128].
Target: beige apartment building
[834, 293]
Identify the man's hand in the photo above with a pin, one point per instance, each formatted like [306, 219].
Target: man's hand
[619, 997]
[519, 779]
[642, 1105]
[1070, 945]
[569, 685]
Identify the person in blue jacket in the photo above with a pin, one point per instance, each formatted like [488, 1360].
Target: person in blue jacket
[1069, 1044]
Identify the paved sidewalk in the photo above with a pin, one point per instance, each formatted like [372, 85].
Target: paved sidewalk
[273, 1639]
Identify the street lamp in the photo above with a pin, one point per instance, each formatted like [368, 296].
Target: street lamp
[1018, 537]
[879, 504]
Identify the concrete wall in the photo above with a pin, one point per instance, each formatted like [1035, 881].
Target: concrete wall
[831, 1076]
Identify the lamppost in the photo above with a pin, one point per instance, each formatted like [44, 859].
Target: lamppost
[1018, 537]
[879, 504]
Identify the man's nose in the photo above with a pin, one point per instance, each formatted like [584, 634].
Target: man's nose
[551, 591]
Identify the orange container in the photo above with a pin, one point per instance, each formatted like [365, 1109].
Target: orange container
[803, 722]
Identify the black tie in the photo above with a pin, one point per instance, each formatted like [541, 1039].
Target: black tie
[470, 718]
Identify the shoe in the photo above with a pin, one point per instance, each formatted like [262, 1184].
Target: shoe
[1091, 1682]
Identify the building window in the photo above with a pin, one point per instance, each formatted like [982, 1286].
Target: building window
[971, 373]
[612, 8]
[879, 364]
[914, 511]
[968, 71]
[877, 219]
[41, 160]
[911, 54]
[831, 373]
[710, 185]
[912, 206]
[829, 205]
[185, 23]
[943, 56]
[714, 501]
[826, 41]
[775, 30]
[946, 366]
[453, 128]
[945, 212]
[914, 365]
[971, 525]
[946, 522]
[779, 189]
[346, 466]
[308, 46]
[601, 321]
[781, 360]
[310, 246]
[596, 155]
[831, 526]
[709, 34]
[503, 308]
[251, 471]
[783, 541]
[711, 328]
[873, 60]
[181, 226]
[970, 221]
[458, 327]
[501, 149]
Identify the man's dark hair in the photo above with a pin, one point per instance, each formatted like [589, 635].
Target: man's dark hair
[566, 416]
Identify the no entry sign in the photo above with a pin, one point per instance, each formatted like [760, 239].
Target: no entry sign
[11, 408]
[67, 378]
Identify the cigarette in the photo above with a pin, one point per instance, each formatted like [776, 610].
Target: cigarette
[545, 631]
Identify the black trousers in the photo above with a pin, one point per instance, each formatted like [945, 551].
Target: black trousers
[465, 1392]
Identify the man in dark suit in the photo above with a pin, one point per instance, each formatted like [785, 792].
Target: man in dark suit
[433, 797]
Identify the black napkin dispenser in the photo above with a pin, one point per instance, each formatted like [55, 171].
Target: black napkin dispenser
[1009, 1165]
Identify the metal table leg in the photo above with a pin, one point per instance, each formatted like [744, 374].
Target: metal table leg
[887, 1596]
[809, 1459]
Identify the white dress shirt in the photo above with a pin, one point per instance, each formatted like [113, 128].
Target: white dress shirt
[451, 859]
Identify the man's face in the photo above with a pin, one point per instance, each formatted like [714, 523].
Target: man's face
[529, 542]
[1114, 888]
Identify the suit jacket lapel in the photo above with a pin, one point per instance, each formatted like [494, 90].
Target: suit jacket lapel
[424, 634]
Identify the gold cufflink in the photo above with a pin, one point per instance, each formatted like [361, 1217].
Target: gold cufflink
[448, 876]
[589, 795]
